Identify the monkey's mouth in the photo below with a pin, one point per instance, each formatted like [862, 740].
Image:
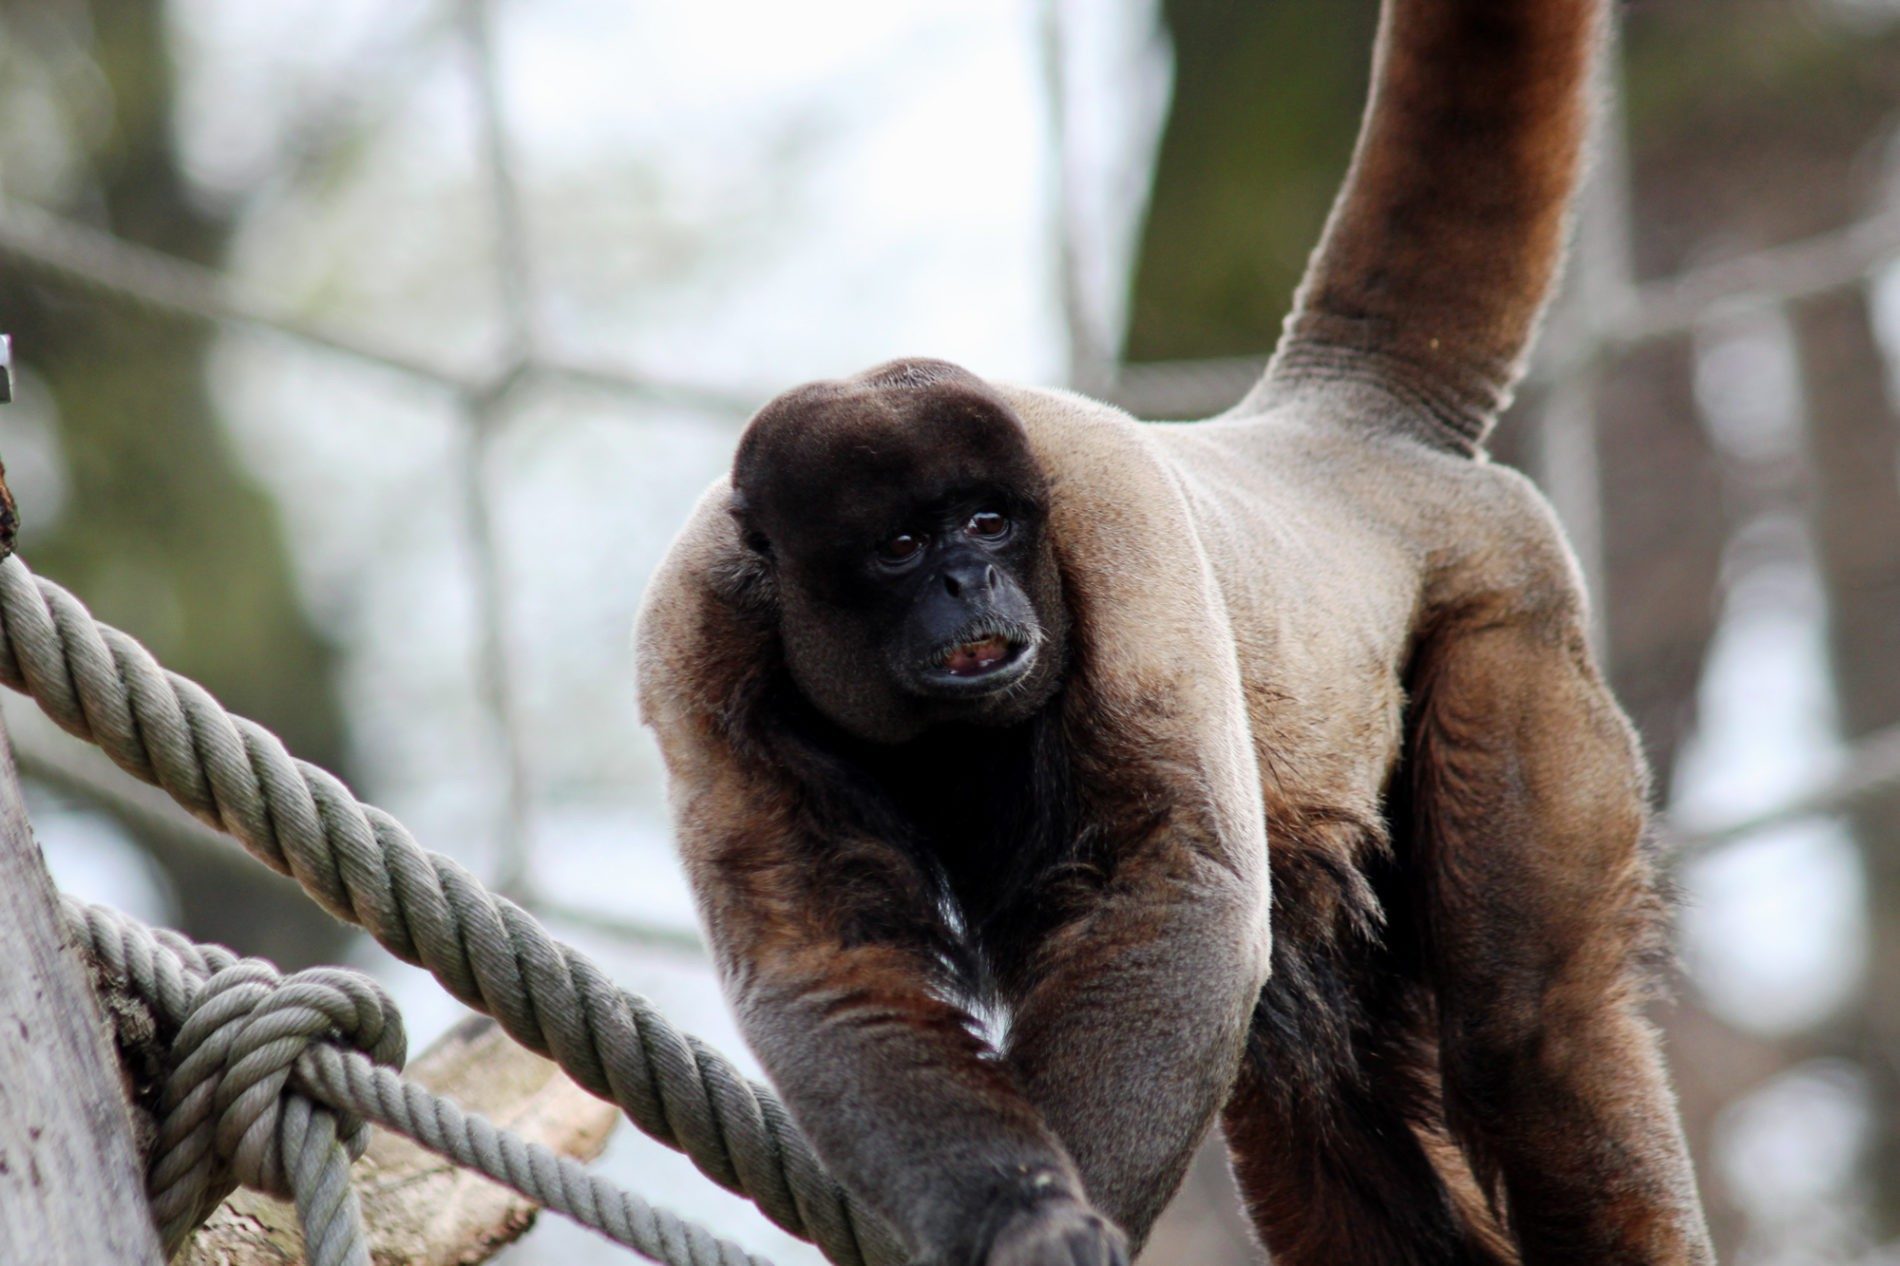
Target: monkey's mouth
[973, 659]
[977, 665]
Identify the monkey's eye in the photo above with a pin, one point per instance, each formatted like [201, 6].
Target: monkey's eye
[987, 524]
[900, 549]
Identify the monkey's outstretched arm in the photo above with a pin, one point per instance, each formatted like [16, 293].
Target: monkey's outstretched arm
[1446, 238]
[1129, 1031]
[851, 1016]
[1129, 1039]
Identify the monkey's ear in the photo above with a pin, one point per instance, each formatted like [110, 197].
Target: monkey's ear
[748, 578]
[749, 535]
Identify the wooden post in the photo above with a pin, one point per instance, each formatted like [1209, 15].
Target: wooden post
[72, 1187]
[71, 1179]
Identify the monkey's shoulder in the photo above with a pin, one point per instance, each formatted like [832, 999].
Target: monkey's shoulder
[700, 632]
[1118, 508]
[1094, 452]
[1125, 528]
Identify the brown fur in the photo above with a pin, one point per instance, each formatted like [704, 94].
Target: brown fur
[1441, 250]
[1314, 637]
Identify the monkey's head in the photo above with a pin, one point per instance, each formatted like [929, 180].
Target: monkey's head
[902, 521]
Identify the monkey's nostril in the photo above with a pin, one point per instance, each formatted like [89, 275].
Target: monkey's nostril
[952, 586]
[989, 576]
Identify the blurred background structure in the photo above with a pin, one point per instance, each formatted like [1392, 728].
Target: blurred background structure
[370, 351]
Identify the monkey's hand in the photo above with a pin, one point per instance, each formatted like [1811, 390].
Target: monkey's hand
[1057, 1232]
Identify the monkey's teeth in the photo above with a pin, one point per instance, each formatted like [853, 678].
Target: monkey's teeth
[975, 657]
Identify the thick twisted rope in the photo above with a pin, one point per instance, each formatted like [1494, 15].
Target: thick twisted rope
[241, 1036]
[235, 1030]
[363, 866]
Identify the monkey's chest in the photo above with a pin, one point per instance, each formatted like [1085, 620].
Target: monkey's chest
[990, 818]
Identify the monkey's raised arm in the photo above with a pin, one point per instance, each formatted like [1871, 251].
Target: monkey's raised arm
[1449, 231]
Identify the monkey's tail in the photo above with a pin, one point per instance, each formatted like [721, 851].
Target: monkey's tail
[1435, 267]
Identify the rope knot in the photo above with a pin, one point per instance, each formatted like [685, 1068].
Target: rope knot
[230, 1115]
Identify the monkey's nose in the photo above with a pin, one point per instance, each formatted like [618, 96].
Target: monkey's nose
[957, 579]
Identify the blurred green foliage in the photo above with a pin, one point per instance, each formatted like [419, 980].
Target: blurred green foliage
[163, 531]
[1266, 103]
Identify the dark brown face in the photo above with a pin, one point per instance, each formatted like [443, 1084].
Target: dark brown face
[903, 518]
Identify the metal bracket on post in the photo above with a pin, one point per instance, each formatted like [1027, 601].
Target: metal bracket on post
[9, 519]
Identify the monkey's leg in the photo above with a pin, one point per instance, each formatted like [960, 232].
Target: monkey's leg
[1128, 1038]
[1336, 1175]
[1528, 820]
